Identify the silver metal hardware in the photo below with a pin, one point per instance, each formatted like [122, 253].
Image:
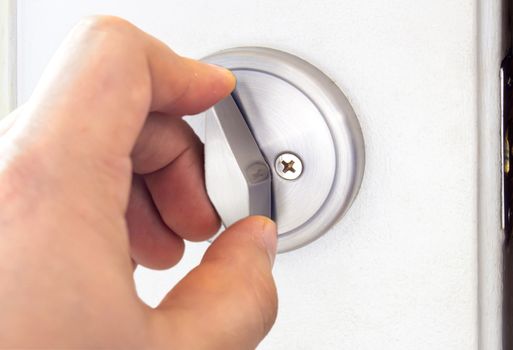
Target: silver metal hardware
[287, 104]
[288, 166]
[237, 176]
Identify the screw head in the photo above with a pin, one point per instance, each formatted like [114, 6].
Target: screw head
[288, 166]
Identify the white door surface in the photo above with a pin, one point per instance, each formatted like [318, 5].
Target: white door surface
[416, 262]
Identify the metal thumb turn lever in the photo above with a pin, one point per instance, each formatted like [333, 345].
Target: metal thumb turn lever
[237, 176]
[286, 144]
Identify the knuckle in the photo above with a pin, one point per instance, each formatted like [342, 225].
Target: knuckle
[107, 40]
[105, 23]
[116, 62]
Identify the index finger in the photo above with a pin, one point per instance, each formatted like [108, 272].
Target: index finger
[80, 126]
[108, 75]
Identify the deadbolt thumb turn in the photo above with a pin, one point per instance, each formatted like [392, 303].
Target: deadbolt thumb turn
[286, 144]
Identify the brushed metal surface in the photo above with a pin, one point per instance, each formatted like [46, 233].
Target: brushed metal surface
[237, 177]
[291, 106]
[283, 119]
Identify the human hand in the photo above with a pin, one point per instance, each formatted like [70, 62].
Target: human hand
[97, 171]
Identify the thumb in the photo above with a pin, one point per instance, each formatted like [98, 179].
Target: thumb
[229, 301]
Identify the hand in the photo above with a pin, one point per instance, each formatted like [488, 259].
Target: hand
[98, 171]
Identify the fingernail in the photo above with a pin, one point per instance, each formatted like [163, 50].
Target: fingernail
[270, 238]
[223, 71]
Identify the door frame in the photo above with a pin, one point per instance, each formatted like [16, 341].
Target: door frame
[8, 54]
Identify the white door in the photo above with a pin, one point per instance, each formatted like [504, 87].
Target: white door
[415, 263]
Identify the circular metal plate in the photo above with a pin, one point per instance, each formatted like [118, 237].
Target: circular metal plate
[292, 107]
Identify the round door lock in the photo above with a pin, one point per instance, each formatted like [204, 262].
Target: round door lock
[286, 144]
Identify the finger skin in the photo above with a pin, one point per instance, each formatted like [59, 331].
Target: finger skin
[134, 74]
[229, 299]
[74, 288]
[79, 128]
[94, 98]
[184, 205]
[161, 141]
[65, 171]
[170, 156]
[152, 243]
